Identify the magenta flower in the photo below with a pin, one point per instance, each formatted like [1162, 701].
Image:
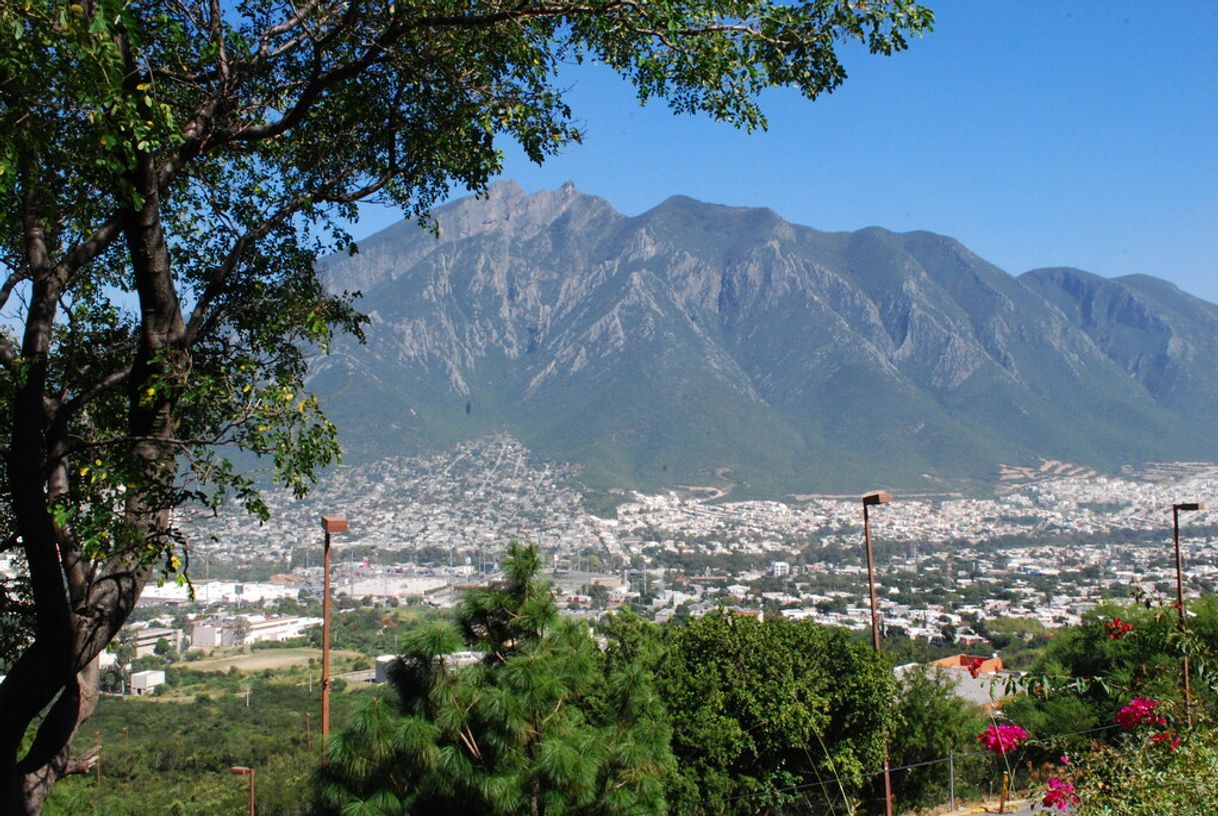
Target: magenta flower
[1141, 710]
[1060, 795]
[1002, 739]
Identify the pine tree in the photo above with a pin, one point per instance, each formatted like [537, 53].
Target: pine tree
[544, 723]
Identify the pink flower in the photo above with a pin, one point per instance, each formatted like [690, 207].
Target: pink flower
[1060, 795]
[1139, 711]
[1001, 739]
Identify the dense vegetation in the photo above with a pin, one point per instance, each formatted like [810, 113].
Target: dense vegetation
[171, 755]
[723, 714]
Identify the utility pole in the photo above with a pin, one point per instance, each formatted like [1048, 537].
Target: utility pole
[869, 500]
[1175, 529]
[329, 524]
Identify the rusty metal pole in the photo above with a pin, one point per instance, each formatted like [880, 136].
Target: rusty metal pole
[329, 524]
[875, 614]
[868, 500]
[1175, 534]
[325, 646]
[241, 770]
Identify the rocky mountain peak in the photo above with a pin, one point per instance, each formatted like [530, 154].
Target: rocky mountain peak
[699, 339]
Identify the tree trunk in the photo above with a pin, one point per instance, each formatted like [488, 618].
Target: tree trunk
[24, 791]
[81, 604]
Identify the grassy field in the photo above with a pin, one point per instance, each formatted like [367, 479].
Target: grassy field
[265, 659]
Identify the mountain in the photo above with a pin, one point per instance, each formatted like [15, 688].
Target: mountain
[699, 344]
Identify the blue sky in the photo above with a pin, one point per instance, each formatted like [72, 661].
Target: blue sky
[1037, 133]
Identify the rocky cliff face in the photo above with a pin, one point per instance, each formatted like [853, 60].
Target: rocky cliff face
[696, 340]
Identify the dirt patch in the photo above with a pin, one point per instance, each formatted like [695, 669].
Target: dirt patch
[267, 659]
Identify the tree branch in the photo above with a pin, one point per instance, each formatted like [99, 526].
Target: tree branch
[83, 764]
[82, 399]
[219, 276]
[94, 245]
[287, 25]
[10, 284]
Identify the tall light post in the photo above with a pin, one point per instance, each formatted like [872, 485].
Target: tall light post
[241, 770]
[870, 500]
[330, 525]
[1175, 535]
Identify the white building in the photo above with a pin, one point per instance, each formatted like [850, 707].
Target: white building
[145, 681]
[405, 587]
[257, 628]
[145, 639]
[454, 660]
[209, 592]
[383, 662]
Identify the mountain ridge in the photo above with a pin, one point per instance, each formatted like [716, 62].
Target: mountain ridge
[692, 338]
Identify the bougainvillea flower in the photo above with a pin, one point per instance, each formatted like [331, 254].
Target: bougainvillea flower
[1060, 795]
[1141, 710]
[1168, 738]
[1117, 628]
[1002, 739]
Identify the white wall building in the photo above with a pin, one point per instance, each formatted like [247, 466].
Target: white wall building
[145, 681]
[208, 592]
[145, 640]
[258, 628]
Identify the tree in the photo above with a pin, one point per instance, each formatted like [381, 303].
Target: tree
[544, 723]
[933, 722]
[777, 716]
[169, 173]
[241, 630]
[599, 594]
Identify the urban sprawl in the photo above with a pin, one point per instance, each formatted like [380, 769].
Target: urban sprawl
[1050, 543]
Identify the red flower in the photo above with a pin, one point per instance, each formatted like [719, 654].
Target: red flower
[1002, 739]
[1141, 710]
[1117, 628]
[1060, 795]
[1166, 737]
[974, 665]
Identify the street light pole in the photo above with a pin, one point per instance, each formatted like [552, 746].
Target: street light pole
[1175, 535]
[241, 770]
[329, 524]
[876, 498]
